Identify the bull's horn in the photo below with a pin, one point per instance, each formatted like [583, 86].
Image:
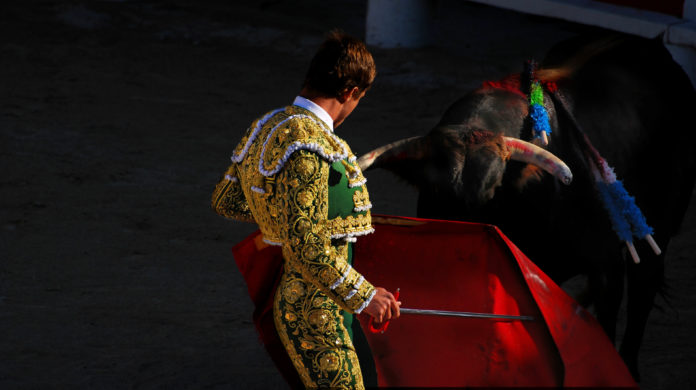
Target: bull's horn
[532, 154]
[369, 158]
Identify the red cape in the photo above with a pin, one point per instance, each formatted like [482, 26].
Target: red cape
[456, 266]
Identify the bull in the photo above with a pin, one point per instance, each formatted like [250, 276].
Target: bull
[622, 97]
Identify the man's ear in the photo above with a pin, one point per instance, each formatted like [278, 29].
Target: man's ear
[348, 93]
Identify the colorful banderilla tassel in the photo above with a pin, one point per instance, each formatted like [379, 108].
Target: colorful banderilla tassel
[626, 218]
[540, 118]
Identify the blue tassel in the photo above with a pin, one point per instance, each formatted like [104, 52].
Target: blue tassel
[630, 210]
[618, 221]
[626, 218]
[540, 119]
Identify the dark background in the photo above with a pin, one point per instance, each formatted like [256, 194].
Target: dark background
[118, 118]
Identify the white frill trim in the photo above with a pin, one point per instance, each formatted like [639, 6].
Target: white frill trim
[357, 183]
[359, 282]
[231, 178]
[342, 278]
[362, 208]
[350, 294]
[353, 235]
[297, 145]
[258, 189]
[352, 159]
[239, 157]
[367, 302]
[274, 243]
[351, 239]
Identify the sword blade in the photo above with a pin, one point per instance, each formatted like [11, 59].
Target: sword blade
[465, 314]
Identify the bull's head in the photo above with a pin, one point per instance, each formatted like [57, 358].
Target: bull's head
[462, 163]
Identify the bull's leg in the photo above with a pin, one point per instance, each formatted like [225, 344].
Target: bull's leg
[644, 282]
[582, 294]
[607, 290]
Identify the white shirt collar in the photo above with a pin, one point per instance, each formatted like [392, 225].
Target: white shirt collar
[315, 109]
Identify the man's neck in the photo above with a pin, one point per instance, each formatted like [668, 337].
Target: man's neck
[315, 109]
[330, 104]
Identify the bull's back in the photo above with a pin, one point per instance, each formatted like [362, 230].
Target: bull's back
[634, 102]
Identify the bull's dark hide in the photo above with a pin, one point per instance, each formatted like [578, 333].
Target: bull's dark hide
[635, 104]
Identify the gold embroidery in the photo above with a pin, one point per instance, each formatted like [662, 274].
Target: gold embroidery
[329, 362]
[282, 329]
[294, 291]
[292, 209]
[361, 197]
[350, 224]
[320, 320]
[304, 129]
[351, 171]
[319, 301]
[305, 168]
[228, 199]
[311, 251]
[354, 174]
[305, 198]
[311, 329]
[239, 201]
[302, 226]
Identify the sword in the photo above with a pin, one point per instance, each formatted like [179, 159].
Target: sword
[381, 328]
[465, 314]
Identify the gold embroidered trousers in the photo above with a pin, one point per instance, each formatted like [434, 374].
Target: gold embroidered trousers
[310, 326]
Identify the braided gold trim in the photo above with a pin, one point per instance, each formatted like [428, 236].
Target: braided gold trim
[350, 226]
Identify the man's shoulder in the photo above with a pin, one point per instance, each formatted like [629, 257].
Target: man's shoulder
[296, 124]
[298, 129]
[252, 134]
[275, 136]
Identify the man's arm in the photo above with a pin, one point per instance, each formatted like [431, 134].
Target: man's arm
[228, 198]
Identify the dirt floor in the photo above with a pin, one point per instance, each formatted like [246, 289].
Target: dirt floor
[116, 121]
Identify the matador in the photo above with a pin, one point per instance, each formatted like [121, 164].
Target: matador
[294, 177]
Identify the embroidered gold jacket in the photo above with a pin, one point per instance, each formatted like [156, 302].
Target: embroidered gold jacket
[279, 178]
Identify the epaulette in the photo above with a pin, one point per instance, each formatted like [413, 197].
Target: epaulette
[287, 130]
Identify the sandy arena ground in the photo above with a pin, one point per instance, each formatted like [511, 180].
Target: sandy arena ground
[116, 121]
